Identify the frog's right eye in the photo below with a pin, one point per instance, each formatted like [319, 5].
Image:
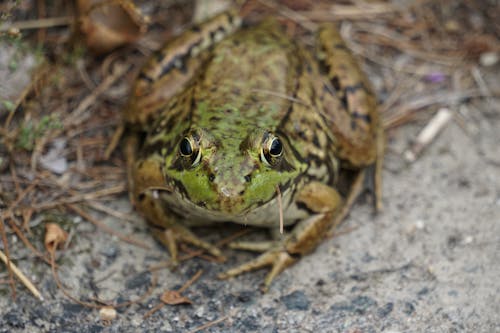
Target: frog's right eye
[190, 150]
[186, 147]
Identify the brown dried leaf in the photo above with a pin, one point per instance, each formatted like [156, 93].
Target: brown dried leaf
[110, 24]
[54, 237]
[173, 297]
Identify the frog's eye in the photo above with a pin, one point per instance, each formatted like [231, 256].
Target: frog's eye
[275, 147]
[185, 147]
[190, 151]
[272, 151]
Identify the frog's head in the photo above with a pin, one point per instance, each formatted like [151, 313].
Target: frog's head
[232, 172]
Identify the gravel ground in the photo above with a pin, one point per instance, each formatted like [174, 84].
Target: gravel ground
[429, 263]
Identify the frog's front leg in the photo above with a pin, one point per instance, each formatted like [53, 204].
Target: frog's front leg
[146, 193]
[326, 206]
[167, 229]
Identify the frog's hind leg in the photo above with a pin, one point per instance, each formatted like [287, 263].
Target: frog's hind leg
[325, 204]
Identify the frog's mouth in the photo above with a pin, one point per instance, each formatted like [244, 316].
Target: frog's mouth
[264, 213]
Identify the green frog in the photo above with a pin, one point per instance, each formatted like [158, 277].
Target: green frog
[246, 125]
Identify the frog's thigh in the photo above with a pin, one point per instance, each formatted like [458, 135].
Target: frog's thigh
[323, 202]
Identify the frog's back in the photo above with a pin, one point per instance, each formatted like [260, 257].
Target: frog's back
[246, 81]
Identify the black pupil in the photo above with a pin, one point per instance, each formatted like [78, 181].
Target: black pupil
[186, 148]
[276, 147]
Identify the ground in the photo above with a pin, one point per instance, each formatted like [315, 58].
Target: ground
[429, 262]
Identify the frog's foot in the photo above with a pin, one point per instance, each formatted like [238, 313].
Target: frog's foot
[278, 259]
[175, 234]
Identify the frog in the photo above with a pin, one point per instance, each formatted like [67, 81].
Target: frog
[232, 124]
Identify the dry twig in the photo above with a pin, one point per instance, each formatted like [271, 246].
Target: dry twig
[20, 275]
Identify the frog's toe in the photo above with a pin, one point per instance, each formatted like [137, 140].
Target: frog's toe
[277, 259]
[172, 236]
[261, 246]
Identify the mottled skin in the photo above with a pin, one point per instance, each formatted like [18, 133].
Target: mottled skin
[231, 121]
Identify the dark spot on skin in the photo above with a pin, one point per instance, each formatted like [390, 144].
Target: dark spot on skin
[202, 204]
[195, 29]
[242, 192]
[354, 88]
[193, 103]
[335, 82]
[315, 141]
[141, 196]
[211, 177]
[213, 33]
[343, 100]
[228, 111]
[158, 55]
[230, 18]
[143, 76]
[353, 124]
[215, 118]
[248, 178]
[365, 117]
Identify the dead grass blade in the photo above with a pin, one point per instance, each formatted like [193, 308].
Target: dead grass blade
[38, 24]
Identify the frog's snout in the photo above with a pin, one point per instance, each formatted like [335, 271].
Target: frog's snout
[230, 198]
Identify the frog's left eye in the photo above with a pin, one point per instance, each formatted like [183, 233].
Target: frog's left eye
[190, 150]
[275, 147]
[272, 151]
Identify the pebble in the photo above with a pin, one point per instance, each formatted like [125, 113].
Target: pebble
[297, 300]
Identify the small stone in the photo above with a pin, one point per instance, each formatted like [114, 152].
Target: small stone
[245, 296]
[14, 319]
[297, 300]
[383, 311]
[107, 313]
[423, 291]
[408, 308]
[362, 303]
[488, 59]
[111, 252]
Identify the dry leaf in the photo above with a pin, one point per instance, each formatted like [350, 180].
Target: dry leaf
[173, 297]
[110, 24]
[54, 237]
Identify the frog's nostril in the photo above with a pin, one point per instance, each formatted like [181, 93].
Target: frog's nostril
[211, 177]
[225, 191]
